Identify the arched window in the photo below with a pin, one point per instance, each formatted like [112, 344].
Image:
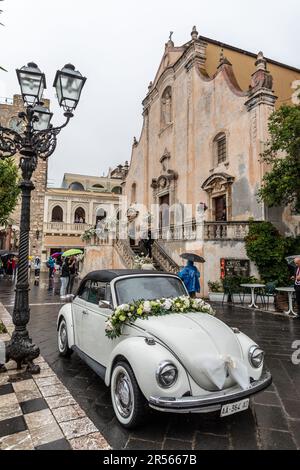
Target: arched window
[57, 214]
[98, 186]
[76, 186]
[133, 193]
[166, 107]
[100, 215]
[220, 149]
[79, 216]
[117, 190]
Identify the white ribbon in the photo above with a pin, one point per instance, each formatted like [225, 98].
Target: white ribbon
[216, 368]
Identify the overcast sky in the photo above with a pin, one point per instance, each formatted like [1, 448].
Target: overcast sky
[118, 45]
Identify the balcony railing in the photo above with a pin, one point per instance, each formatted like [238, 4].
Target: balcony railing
[63, 228]
[208, 231]
[226, 230]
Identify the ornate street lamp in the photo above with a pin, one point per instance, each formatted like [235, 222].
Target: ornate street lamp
[37, 139]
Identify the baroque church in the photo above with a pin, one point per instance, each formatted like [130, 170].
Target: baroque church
[205, 122]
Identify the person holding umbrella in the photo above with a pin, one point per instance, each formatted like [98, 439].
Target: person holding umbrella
[64, 278]
[51, 264]
[72, 266]
[297, 284]
[190, 274]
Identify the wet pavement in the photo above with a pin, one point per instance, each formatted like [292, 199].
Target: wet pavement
[272, 422]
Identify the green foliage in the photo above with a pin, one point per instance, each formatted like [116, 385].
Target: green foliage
[9, 190]
[268, 249]
[2, 328]
[215, 286]
[281, 185]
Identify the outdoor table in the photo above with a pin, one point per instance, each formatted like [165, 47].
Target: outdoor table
[253, 287]
[290, 291]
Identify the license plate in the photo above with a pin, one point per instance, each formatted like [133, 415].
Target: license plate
[236, 407]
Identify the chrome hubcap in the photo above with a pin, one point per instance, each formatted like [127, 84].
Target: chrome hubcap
[123, 394]
[62, 337]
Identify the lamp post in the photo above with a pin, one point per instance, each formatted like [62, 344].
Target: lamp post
[37, 139]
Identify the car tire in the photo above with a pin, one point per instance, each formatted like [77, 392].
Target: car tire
[62, 339]
[130, 405]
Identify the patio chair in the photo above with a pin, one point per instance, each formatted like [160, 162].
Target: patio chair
[266, 293]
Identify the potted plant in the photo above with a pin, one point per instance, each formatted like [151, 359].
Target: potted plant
[216, 292]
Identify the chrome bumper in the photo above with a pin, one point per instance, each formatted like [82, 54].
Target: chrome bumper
[210, 402]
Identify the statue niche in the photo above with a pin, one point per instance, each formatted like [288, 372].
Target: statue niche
[166, 107]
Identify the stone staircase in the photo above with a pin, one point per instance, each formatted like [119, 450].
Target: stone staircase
[160, 259]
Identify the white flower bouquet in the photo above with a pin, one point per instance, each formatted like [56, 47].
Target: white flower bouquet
[145, 308]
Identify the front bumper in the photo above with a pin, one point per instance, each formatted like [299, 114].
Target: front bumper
[210, 402]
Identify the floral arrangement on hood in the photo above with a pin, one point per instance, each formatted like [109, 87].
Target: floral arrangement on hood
[145, 308]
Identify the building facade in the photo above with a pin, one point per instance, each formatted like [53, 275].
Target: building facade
[205, 122]
[78, 206]
[9, 237]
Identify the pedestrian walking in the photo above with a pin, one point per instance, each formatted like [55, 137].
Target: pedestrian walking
[1, 268]
[190, 276]
[72, 271]
[64, 279]
[9, 269]
[50, 265]
[14, 266]
[297, 284]
[37, 270]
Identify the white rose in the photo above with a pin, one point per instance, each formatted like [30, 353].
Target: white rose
[124, 307]
[168, 304]
[147, 306]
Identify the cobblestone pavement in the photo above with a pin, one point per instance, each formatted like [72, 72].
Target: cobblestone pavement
[273, 422]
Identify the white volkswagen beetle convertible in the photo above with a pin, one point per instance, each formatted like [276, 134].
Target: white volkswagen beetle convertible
[167, 350]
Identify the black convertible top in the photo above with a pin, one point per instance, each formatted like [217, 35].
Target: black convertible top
[107, 275]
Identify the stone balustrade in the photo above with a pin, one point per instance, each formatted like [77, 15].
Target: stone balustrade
[64, 228]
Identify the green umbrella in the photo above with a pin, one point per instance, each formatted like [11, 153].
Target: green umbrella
[72, 252]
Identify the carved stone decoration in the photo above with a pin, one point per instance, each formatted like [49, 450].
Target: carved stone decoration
[166, 107]
[217, 182]
[223, 60]
[194, 33]
[261, 77]
[164, 160]
[131, 214]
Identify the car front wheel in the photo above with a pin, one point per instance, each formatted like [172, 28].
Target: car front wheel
[129, 404]
[62, 339]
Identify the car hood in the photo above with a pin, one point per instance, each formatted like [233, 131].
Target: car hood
[199, 341]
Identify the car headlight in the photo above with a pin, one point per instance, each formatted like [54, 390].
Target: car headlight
[256, 356]
[166, 374]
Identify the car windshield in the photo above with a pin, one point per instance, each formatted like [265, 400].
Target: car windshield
[148, 288]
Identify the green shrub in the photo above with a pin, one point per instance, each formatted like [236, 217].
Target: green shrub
[267, 248]
[215, 286]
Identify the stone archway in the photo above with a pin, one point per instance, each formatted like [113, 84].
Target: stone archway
[219, 189]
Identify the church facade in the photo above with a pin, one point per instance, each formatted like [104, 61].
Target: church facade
[205, 122]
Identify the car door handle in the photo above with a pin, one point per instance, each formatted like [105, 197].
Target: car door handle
[85, 312]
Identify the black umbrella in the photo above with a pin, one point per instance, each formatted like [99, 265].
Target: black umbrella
[8, 253]
[192, 257]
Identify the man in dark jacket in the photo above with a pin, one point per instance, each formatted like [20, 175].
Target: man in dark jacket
[297, 284]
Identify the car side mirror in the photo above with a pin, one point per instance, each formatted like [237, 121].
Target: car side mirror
[105, 304]
[70, 298]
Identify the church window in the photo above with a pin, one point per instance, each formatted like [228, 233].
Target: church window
[220, 148]
[57, 214]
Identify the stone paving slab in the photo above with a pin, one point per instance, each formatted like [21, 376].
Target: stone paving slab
[252, 429]
[38, 412]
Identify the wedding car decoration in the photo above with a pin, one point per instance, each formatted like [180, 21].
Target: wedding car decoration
[145, 308]
[171, 354]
